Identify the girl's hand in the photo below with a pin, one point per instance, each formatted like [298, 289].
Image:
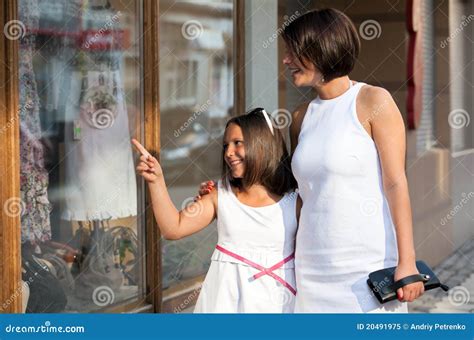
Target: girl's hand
[412, 291]
[205, 188]
[149, 167]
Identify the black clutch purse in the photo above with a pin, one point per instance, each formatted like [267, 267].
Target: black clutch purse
[382, 284]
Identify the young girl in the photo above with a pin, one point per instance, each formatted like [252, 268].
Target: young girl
[252, 269]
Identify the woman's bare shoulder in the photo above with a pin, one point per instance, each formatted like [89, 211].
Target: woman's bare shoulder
[370, 96]
[375, 104]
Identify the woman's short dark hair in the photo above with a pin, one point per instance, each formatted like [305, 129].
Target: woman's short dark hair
[267, 161]
[326, 38]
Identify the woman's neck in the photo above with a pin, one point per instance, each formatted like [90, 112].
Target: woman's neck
[332, 89]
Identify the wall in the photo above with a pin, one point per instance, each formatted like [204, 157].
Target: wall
[261, 55]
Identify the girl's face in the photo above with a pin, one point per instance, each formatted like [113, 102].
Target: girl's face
[234, 151]
[302, 76]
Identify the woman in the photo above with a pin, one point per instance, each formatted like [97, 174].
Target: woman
[348, 157]
[348, 149]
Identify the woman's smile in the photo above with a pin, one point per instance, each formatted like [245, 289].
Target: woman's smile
[294, 70]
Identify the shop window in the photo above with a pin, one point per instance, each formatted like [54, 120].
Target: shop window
[196, 99]
[80, 103]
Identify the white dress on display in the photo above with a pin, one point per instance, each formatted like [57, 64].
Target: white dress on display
[100, 173]
[345, 230]
[250, 240]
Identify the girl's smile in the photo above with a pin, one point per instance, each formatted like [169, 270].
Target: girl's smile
[234, 152]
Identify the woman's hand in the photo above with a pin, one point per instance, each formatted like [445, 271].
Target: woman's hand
[412, 291]
[149, 167]
[204, 189]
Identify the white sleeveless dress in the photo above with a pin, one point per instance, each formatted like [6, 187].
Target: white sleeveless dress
[345, 230]
[263, 236]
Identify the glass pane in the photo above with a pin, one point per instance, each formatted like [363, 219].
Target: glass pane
[196, 99]
[80, 103]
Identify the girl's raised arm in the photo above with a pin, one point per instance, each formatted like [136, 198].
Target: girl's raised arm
[173, 224]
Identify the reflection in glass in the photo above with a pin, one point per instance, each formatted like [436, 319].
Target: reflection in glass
[79, 106]
[196, 99]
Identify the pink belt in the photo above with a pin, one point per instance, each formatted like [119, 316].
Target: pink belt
[263, 270]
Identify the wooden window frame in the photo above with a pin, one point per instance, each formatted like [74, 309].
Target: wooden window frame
[10, 231]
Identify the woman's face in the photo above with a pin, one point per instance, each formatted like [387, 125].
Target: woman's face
[302, 76]
[234, 151]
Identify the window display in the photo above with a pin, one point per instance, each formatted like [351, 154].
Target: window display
[80, 104]
[196, 99]
[97, 137]
[35, 220]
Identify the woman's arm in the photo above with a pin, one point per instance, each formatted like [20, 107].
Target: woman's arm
[385, 123]
[173, 224]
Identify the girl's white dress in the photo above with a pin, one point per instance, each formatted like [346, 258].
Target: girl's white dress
[345, 230]
[249, 238]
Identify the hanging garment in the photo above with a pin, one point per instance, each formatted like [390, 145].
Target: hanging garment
[100, 174]
[35, 222]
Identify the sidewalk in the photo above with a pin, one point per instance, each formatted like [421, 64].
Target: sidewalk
[457, 272]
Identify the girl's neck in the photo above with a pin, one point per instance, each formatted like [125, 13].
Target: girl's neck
[333, 89]
[256, 195]
[256, 190]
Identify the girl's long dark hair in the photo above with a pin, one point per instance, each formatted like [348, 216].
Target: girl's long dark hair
[267, 161]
